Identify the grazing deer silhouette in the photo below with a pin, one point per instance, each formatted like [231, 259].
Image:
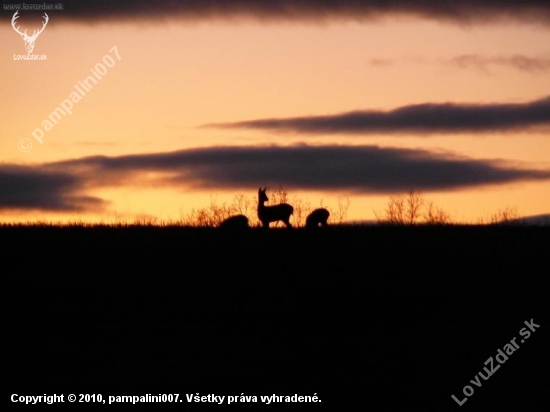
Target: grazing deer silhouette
[317, 217]
[268, 214]
[236, 222]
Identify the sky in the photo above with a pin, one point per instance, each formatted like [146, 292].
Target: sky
[131, 108]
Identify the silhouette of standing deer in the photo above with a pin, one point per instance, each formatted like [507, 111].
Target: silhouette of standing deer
[268, 214]
[317, 217]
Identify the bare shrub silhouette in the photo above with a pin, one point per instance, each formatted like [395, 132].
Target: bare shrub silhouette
[235, 222]
[211, 216]
[341, 213]
[394, 212]
[507, 216]
[317, 218]
[411, 209]
[146, 220]
[279, 212]
[435, 215]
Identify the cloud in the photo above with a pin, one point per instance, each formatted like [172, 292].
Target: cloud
[464, 11]
[520, 62]
[36, 188]
[420, 119]
[382, 62]
[352, 169]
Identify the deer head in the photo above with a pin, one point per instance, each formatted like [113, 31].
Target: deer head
[262, 197]
[29, 40]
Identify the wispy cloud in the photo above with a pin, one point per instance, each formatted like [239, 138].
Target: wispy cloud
[382, 62]
[531, 64]
[464, 11]
[423, 119]
[353, 169]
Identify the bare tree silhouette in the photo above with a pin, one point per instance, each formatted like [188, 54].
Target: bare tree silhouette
[435, 215]
[317, 217]
[403, 209]
[275, 213]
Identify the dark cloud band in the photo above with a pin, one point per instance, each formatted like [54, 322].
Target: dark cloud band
[421, 119]
[62, 186]
[36, 188]
[464, 11]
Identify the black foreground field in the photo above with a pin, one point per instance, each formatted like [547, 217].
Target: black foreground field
[376, 317]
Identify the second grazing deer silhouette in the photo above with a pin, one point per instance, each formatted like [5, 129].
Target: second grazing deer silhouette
[235, 222]
[317, 217]
[275, 213]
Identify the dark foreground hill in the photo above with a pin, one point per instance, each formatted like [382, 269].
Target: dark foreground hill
[375, 317]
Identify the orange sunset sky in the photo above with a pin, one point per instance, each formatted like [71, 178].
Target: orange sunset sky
[328, 99]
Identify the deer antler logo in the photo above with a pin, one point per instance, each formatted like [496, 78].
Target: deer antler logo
[29, 40]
